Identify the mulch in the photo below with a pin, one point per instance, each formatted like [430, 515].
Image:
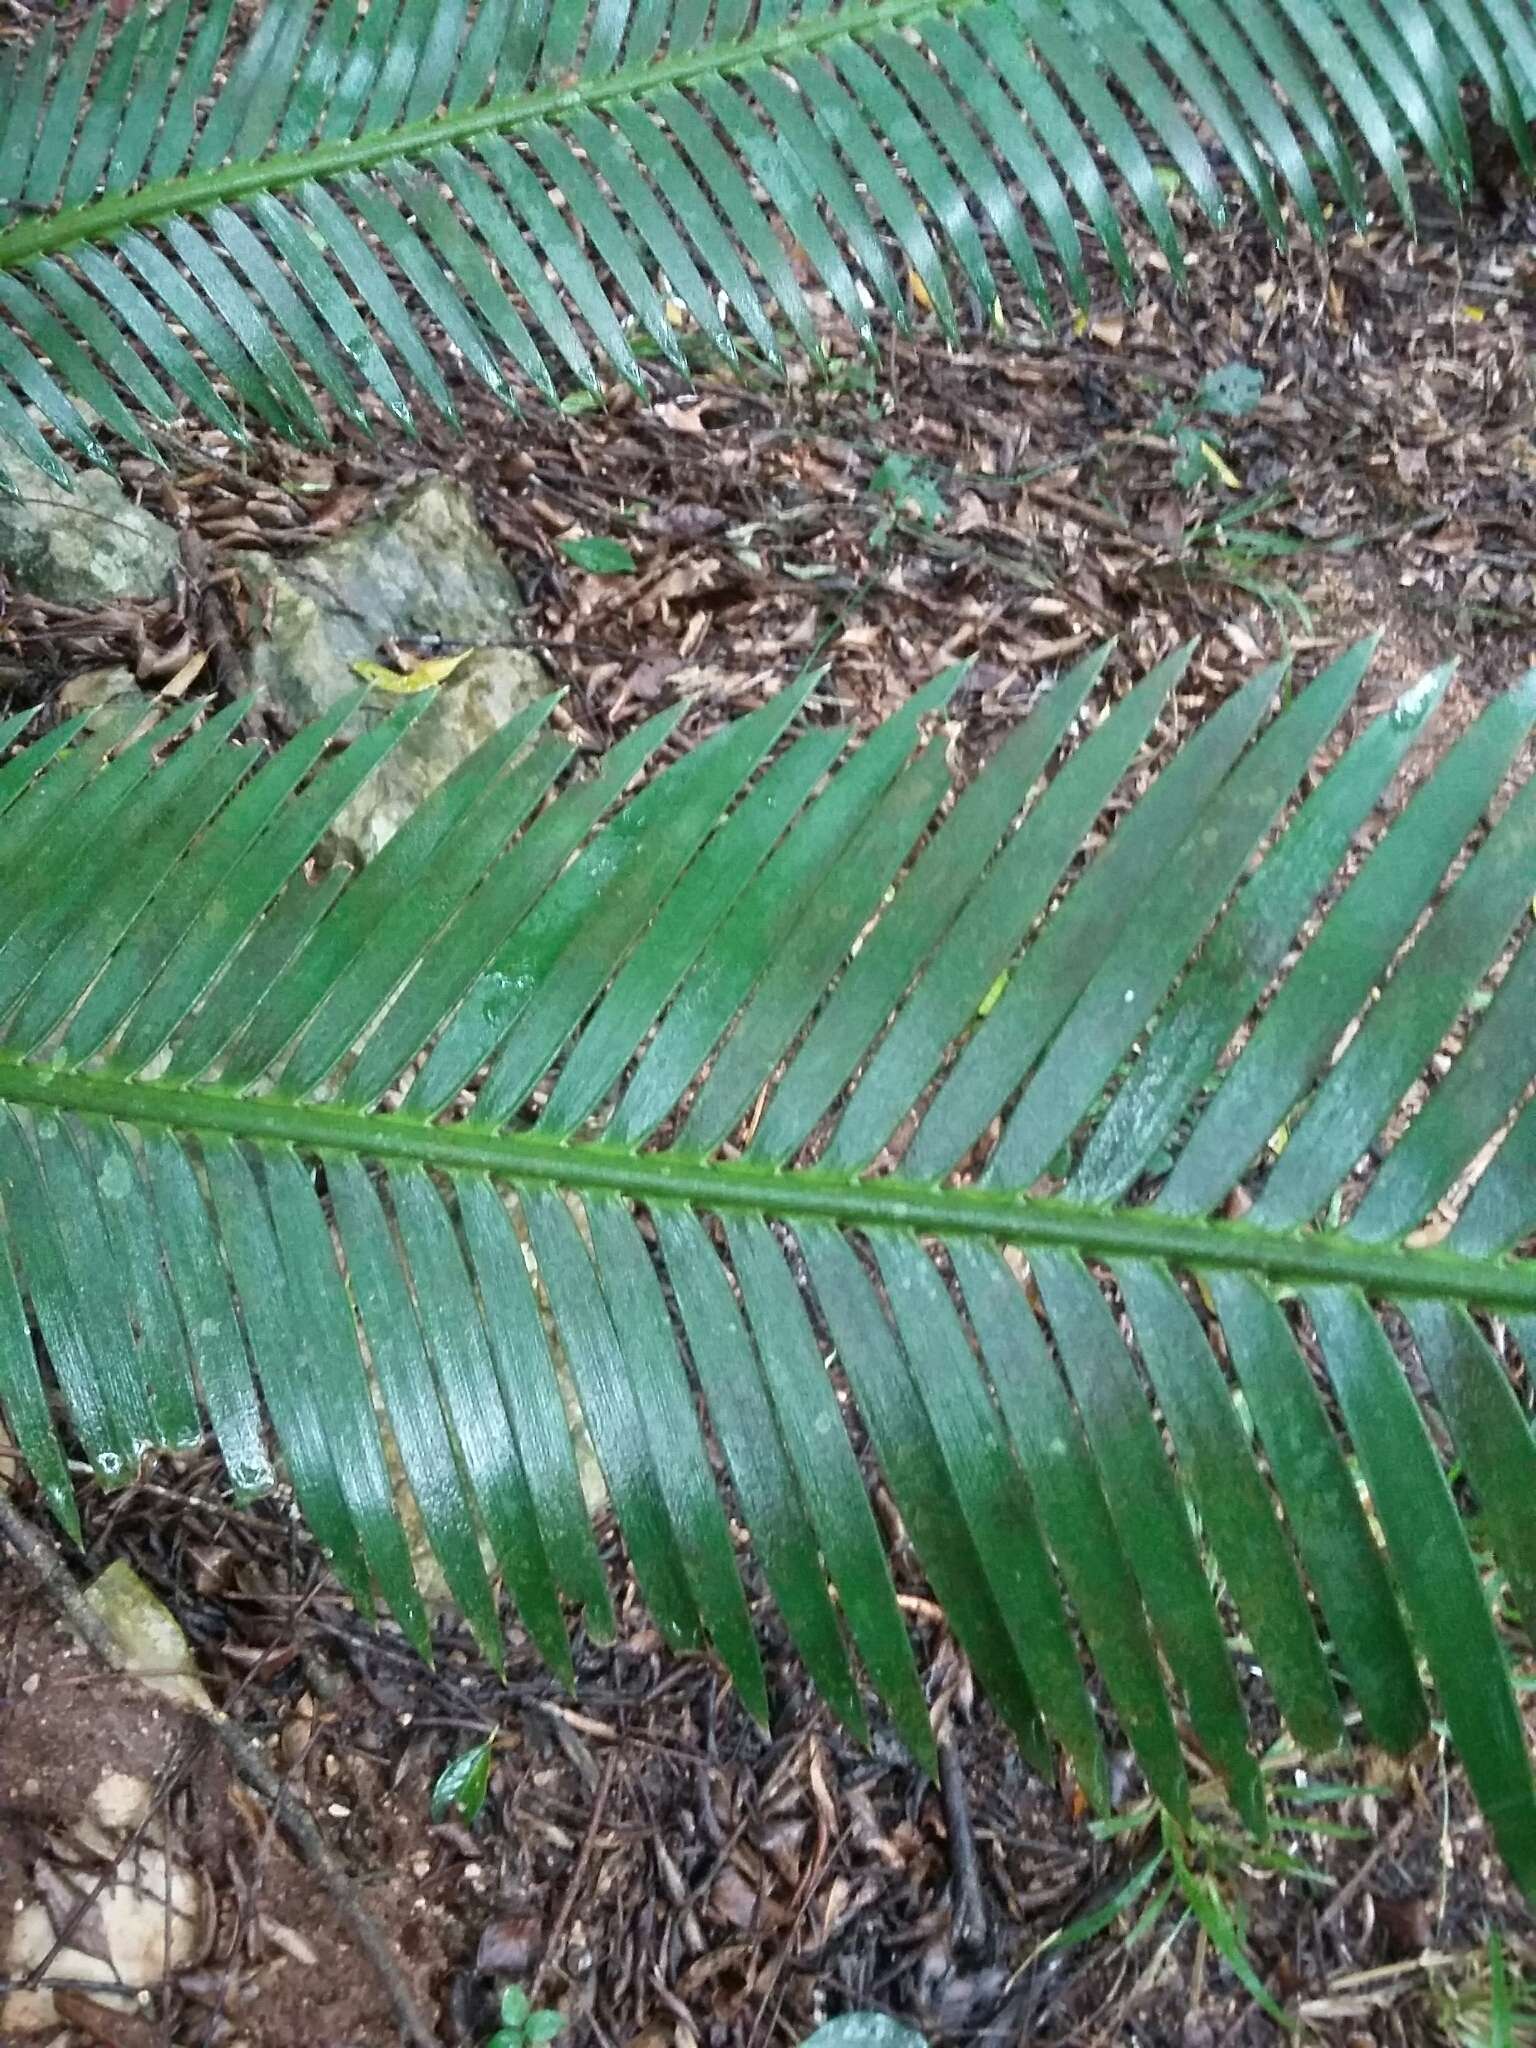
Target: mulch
[648, 1860]
[1386, 481]
[657, 1867]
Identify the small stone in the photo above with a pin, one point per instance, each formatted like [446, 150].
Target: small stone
[86, 546]
[511, 1945]
[148, 1636]
[121, 1801]
[481, 695]
[95, 688]
[423, 573]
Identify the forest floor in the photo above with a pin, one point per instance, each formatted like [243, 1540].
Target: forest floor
[648, 1861]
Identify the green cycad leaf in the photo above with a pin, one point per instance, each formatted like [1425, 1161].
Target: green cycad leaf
[188, 220]
[678, 1077]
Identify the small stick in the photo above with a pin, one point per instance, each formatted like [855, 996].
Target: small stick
[578, 1873]
[970, 1923]
[52, 1574]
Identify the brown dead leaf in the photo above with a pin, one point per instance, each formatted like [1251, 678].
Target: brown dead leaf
[683, 419]
[740, 1904]
[1411, 464]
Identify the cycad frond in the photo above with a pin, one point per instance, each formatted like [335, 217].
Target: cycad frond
[825, 982]
[182, 224]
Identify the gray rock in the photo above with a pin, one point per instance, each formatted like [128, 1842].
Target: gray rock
[97, 687]
[423, 570]
[483, 692]
[423, 567]
[88, 546]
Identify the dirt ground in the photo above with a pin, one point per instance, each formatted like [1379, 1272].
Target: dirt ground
[653, 1865]
[648, 1861]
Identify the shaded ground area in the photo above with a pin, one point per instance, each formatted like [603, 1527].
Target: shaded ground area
[1009, 504]
[648, 1860]
[663, 1871]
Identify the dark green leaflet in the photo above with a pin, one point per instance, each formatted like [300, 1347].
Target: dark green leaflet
[771, 951]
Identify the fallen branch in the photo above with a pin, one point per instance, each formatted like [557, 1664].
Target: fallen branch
[970, 1923]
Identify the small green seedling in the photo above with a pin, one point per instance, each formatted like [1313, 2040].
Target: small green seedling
[600, 555]
[906, 492]
[524, 2025]
[1230, 393]
[462, 1787]
[1195, 1874]
[1487, 2002]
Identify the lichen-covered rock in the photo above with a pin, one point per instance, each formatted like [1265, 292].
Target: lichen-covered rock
[484, 691]
[423, 571]
[149, 1639]
[96, 688]
[424, 568]
[88, 546]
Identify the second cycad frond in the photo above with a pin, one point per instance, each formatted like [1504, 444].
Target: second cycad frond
[705, 1057]
[536, 180]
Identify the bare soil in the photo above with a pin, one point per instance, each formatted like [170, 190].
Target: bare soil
[660, 1869]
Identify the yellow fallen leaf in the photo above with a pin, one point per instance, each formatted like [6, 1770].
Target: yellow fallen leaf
[920, 291]
[989, 1001]
[187, 674]
[424, 675]
[1434, 1232]
[1232, 482]
[1473, 313]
